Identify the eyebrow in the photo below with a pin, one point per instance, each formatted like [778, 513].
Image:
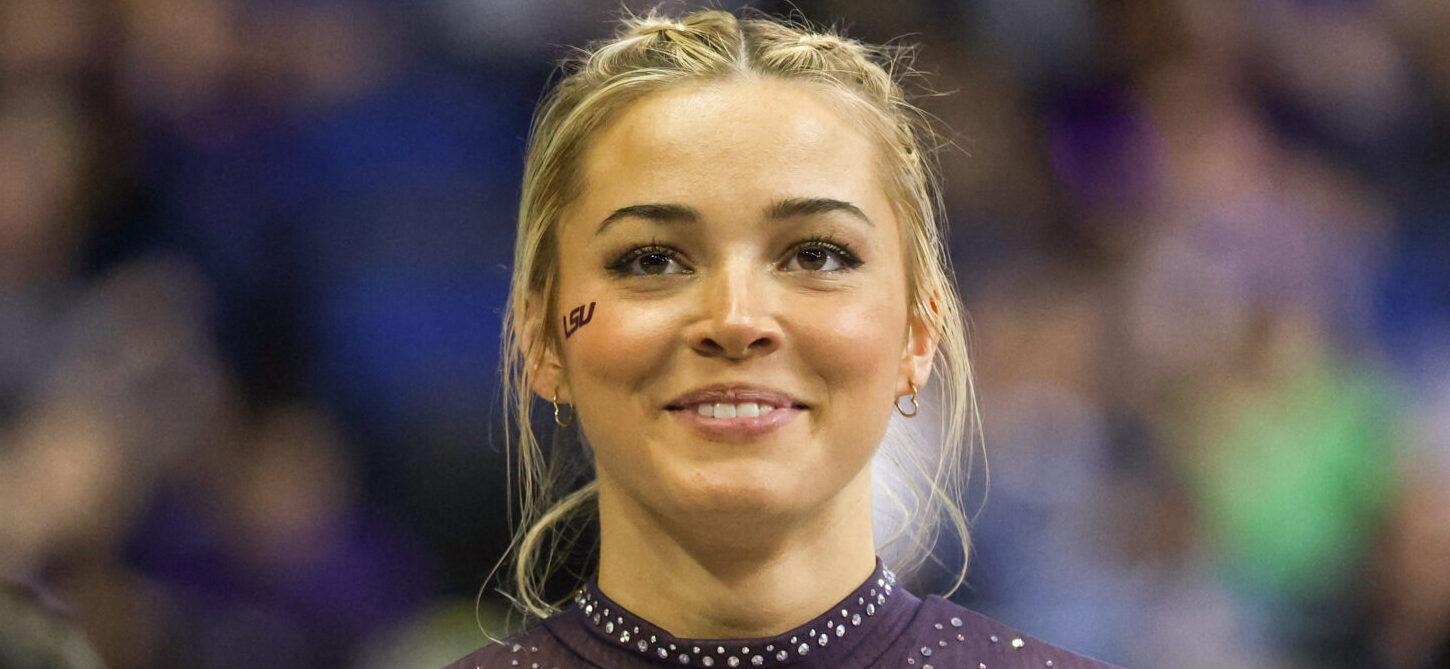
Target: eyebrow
[658, 212]
[665, 212]
[806, 206]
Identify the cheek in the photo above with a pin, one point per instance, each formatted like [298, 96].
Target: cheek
[853, 346]
[622, 347]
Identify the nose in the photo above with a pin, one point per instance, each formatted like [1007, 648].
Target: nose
[736, 320]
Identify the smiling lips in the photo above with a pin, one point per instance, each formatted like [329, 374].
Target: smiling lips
[735, 413]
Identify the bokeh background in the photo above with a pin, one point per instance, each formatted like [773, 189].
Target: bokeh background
[253, 253]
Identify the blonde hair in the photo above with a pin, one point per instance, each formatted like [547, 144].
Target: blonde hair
[650, 53]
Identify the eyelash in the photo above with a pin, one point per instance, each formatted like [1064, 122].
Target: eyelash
[620, 266]
[841, 249]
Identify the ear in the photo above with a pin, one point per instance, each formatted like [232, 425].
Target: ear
[545, 370]
[922, 337]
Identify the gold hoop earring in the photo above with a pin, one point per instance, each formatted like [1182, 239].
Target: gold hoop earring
[914, 406]
[557, 421]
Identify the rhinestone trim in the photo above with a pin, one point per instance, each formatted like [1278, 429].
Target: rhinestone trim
[614, 623]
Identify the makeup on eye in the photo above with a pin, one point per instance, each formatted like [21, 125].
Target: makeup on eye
[655, 253]
[823, 250]
[826, 246]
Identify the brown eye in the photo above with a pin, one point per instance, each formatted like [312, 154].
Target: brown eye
[653, 263]
[652, 260]
[812, 259]
[819, 256]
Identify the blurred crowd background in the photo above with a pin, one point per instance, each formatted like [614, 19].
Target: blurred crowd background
[253, 253]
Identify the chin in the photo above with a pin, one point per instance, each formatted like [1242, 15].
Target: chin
[748, 490]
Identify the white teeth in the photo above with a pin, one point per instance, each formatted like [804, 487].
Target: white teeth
[742, 410]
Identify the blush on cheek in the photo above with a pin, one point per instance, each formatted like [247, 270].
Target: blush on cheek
[852, 344]
[620, 352]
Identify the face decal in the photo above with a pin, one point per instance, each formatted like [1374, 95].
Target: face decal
[577, 318]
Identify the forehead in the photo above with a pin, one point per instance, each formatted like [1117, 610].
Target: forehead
[732, 139]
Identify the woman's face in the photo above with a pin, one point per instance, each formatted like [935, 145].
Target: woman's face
[733, 236]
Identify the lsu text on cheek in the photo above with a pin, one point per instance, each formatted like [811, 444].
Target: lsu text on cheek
[577, 318]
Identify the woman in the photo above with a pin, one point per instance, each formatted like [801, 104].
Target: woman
[728, 268]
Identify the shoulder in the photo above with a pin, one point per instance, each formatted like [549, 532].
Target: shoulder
[948, 631]
[532, 647]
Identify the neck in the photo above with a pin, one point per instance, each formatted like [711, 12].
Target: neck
[740, 578]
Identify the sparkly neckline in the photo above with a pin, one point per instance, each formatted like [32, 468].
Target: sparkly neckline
[843, 623]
